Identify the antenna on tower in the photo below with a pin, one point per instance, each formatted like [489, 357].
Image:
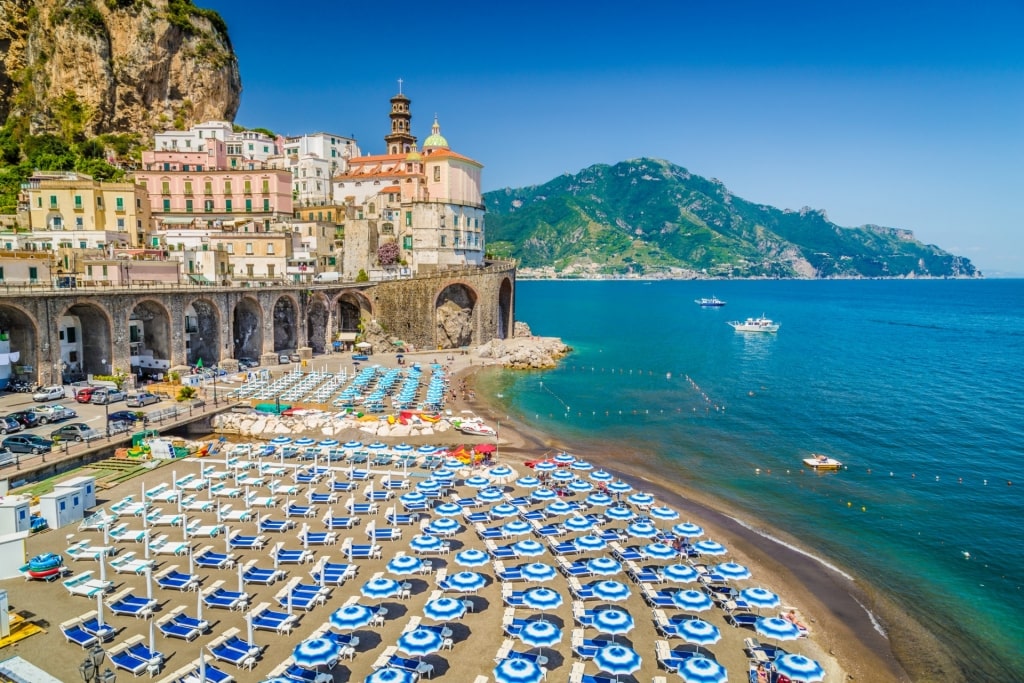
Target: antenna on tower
[399, 86]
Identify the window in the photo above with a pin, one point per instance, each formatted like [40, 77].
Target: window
[188, 187]
[248, 205]
[247, 187]
[208, 187]
[444, 240]
[1, 273]
[227, 187]
[456, 220]
[266, 205]
[78, 201]
[231, 247]
[437, 174]
[188, 205]
[208, 205]
[72, 333]
[53, 201]
[120, 225]
[407, 242]
[248, 248]
[227, 205]
[79, 223]
[33, 273]
[165, 187]
[408, 219]
[167, 205]
[104, 272]
[270, 270]
[119, 204]
[270, 248]
[266, 186]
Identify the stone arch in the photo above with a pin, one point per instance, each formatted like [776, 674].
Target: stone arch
[149, 337]
[455, 316]
[317, 316]
[350, 308]
[286, 328]
[506, 319]
[202, 332]
[85, 336]
[19, 333]
[247, 328]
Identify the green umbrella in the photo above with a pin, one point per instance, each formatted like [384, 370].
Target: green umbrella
[199, 363]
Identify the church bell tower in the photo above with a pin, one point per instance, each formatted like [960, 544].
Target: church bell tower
[400, 140]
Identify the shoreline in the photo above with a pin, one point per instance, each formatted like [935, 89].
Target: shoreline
[865, 633]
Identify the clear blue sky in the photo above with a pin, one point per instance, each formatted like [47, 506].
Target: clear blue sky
[906, 114]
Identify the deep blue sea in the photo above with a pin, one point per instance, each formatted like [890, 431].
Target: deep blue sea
[915, 385]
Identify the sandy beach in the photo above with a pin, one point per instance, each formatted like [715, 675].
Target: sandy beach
[843, 637]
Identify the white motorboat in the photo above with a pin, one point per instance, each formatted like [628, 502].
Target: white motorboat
[822, 462]
[761, 324]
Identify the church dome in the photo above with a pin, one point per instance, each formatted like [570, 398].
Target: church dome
[435, 139]
[414, 156]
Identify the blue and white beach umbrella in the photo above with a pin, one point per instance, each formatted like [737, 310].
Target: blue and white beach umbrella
[453, 464]
[443, 525]
[731, 571]
[305, 441]
[564, 459]
[613, 620]
[709, 548]
[380, 588]
[516, 527]
[490, 495]
[420, 642]
[545, 466]
[542, 599]
[579, 486]
[540, 633]
[640, 499]
[590, 543]
[466, 582]
[578, 523]
[687, 530]
[700, 669]
[477, 481]
[610, 591]
[619, 486]
[799, 668]
[428, 486]
[618, 660]
[692, 600]
[559, 507]
[405, 564]
[402, 448]
[528, 482]
[581, 466]
[328, 443]
[444, 609]
[619, 513]
[659, 551]
[543, 494]
[352, 445]
[500, 472]
[537, 572]
[600, 499]
[314, 652]
[351, 617]
[424, 543]
[601, 476]
[777, 628]
[448, 509]
[663, 513]
[679, 573]
[426, 449]
[759, 598]
[281, 440]
[413, 498]
[529, 548]
[604, 566]
[518, 671]
[562, 476]
[387, 675]
[472, 557]
[375, 446]
[504, 510]
[642, 530]
[698, 632]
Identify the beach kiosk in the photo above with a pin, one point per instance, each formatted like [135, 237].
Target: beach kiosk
[60, 508]
[15, 514]
[86, 485]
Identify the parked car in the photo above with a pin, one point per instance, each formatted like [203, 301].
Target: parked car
[76, 431]
[53, 393]
[123, 416]
[104, 395]
[294, 357]
[283, 359]
[7, 458]
[84, 395]
[10, 424]
[29, 418]
[54, 413]
[246, 363]
[140, 399]
[27, 443]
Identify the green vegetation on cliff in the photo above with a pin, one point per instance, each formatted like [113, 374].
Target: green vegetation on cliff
[648, 216]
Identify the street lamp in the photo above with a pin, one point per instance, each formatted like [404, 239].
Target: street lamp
[89, 669]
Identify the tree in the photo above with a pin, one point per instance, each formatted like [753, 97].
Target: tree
[362, 276]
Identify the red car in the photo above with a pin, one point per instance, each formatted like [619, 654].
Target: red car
[84, 395]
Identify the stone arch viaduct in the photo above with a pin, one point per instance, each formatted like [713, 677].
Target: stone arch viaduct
[101, 330]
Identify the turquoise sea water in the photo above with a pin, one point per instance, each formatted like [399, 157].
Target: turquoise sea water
[914, 385]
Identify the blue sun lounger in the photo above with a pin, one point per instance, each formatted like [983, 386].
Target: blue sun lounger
[124, 603]
[177, 625]
[216, 596]
[578, 568]
[74, 633]
[577, 675]
[293, 510]
[278, 525]
[122, 659]
[265, 619]
[490, 532]
[342, 486]
[212, 560]
[475, 517]
[91, 625]
[239, 541]
[362, 508]
[233, 650]
[397, 519]
[319, 537]
[213, 675]
[586, 648]
[292, 556]
[340, 522]
[141, 650]
[626, 554]
[334, 573]
[261, 576]
[322, 498]
[300, 675]
[175, 580]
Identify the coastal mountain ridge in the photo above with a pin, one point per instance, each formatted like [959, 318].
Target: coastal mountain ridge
[650, 217]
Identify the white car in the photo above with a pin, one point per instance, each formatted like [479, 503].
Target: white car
[49, 394]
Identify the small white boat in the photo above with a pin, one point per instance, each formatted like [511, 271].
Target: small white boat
[822, 462]
[474, 428]
[761, 324]
[713, 302]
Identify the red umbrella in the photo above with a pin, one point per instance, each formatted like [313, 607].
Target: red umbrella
[485, 448]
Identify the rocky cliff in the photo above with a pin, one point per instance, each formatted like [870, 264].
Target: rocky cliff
[114, 66]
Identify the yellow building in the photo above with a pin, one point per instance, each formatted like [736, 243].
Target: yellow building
[72, 210]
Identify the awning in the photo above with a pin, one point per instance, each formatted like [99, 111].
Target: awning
[176, 221]
[199, 279]
[346, 336]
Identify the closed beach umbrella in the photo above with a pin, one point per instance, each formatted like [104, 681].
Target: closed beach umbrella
[528, 482]
[692, 600]
[619, 513]
[385, 675]
[663, 513]
[490, 495]
[351, 617]
[580, 486]
[709, 548]
[405, 564]
[529, 548]
[504, 510]
[799, 668]
[698, 632]
[600, 499]
[679, 573]
[777, 628]
[538, 572]
[613, 621]
[420, 642]
[316, 652]
[518, 671]
[477, 482]
[601, 476]
[687, 530]
[380, 588]
[540, 633]
[590, 543]
[610, 591]
[702, 670]
[642, 530]
[542, 599]
[466, 582]
[448, 509]
[604, 566]
[472, 557]
[444, 609]
[731, 571]
[578, 523]
[659, 551]
[425, 543]
[618, 660]
[516, 527]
